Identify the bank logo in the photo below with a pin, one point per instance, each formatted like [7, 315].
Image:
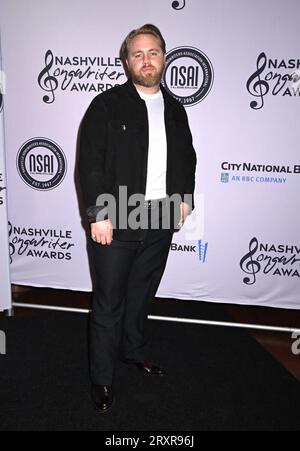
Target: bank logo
[254, 173]
[225, 177]
[188, 75]
[41, 164]
[202, 248]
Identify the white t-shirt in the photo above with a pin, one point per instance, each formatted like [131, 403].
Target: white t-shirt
[157, 153]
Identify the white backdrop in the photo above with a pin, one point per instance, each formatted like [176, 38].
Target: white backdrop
[242, 64]
[5, 291]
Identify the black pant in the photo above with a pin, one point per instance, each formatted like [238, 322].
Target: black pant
[128, 276]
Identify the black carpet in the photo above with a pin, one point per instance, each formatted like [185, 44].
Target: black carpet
[218, 379]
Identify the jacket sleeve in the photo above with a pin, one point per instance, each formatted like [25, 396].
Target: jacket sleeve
[191, 160]
[91, 166]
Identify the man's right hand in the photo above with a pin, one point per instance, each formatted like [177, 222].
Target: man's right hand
[102, 232]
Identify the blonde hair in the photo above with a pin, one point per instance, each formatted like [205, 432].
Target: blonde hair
[145, 29]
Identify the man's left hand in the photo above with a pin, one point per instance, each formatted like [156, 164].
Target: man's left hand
[185, 211]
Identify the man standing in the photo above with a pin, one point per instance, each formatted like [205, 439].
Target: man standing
[135, 141]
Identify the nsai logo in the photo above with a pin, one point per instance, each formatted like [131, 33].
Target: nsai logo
[188, 75]
[41, 164]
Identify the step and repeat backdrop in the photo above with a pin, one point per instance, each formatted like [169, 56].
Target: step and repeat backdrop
[234, 65]
[5, 291]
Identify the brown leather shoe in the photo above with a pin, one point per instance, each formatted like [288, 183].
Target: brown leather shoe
[103, 397]
[147, 368]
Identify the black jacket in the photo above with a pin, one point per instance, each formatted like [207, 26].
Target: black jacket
[114, 148]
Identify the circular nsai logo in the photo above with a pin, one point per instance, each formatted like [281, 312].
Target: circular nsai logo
[41, 164]
[188, 75]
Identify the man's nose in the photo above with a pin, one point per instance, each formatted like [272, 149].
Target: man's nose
[146, 59]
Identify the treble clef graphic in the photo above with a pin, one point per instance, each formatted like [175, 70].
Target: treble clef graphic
[46, 81]
[260, 88]
[176, 5]
[250, 266]
[12, 248]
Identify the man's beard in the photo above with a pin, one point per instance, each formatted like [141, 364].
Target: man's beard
[148, 80]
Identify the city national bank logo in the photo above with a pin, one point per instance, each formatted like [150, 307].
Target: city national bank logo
[200, 249]
[188, 75]
[277, 77]
[41, 164]
[258, 173]
[78, 74]
[40, 243]
[270, 260]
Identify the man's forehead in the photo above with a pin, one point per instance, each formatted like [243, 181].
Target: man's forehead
[144, 42]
